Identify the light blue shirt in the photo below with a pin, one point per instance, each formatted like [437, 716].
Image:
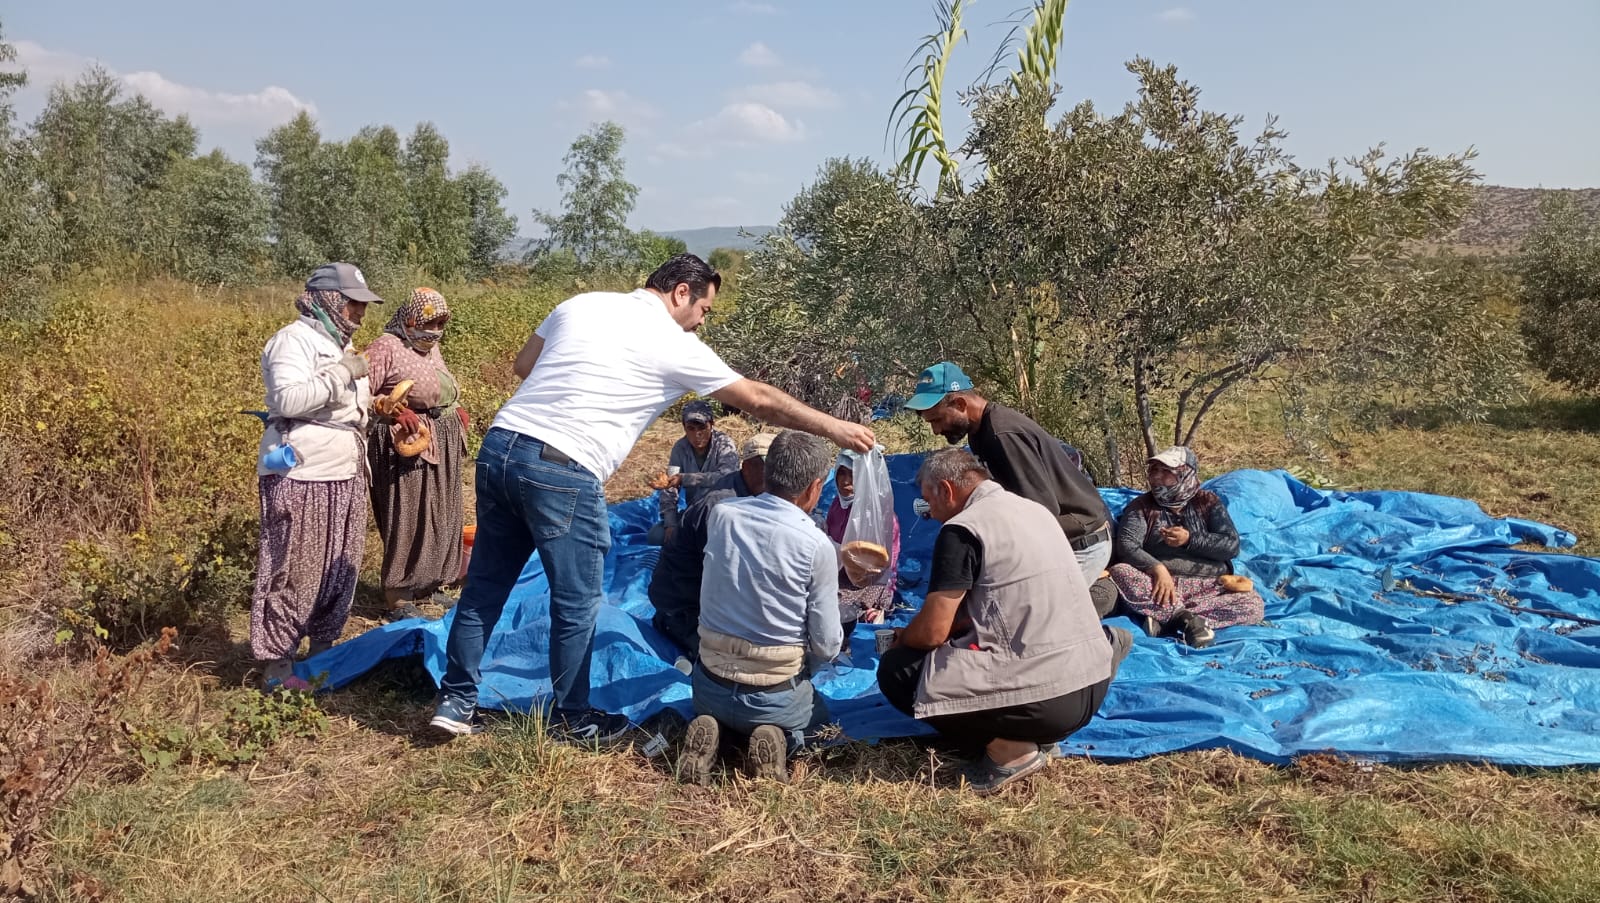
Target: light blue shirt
[771, 577]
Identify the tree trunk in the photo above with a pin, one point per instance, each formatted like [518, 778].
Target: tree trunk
[1109, 434]
[1141, 395]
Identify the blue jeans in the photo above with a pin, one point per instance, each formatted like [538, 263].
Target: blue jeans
[1092, 561]
[798, 710]
[528, 504]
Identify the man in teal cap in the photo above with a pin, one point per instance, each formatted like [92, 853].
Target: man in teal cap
[1025, 459]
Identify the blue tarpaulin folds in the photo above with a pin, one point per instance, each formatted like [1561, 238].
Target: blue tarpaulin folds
[1392, 634]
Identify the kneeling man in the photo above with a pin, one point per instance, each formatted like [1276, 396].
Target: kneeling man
[769, 608]
[1007, 654]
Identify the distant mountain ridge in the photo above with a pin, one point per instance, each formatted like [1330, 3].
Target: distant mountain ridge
[1501, 218]
[701, 242]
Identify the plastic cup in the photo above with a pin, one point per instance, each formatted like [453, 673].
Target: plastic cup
[884, 639]
[674, 470]
[280, 459]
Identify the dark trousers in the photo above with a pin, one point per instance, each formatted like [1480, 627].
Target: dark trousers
[1047, 721]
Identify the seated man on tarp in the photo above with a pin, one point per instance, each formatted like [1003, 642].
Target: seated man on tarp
[698, 462]
[769, 609]
[1007, 654]
[675, 585]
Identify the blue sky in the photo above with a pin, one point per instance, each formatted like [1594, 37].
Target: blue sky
[731, 105]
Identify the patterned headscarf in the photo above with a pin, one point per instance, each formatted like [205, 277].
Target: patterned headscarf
[327, 308]
[1181, 461]
[425, 307]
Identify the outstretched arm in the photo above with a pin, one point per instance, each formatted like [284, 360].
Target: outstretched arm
[782, 409]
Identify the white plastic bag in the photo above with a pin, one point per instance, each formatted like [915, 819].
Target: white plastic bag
[869, 534]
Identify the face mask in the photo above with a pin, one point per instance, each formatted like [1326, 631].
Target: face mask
[845, 501]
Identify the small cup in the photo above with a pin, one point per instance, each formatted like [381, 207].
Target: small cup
[280, 459]
[884, 639]
[674, 470]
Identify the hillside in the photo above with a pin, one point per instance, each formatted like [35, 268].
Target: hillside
[700, 241]
[704, 241]
[1502, 217]
[1499, 221]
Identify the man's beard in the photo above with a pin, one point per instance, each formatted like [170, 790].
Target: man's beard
[957, 431]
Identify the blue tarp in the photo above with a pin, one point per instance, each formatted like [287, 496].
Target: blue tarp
[1387, 638]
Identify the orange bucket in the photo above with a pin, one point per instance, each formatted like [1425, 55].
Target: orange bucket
[468, 534]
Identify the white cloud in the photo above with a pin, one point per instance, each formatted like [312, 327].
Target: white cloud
[753, 9]
[740, 124]
[791, 94]
[758, 55]
[593, 61]
[47, 66]
[1178, 15]
[267, 107]
[596, 104]
[747, 122]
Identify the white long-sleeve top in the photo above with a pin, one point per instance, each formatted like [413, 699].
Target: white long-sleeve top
[314, 401]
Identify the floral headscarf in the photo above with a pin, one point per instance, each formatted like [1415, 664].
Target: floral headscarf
[327, 308]
[425, 307]
[1181, 461]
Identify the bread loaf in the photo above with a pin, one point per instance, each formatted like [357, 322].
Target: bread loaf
[864, 562]
[1235, 583]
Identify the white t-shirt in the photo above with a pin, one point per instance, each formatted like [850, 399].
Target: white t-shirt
[611, 364]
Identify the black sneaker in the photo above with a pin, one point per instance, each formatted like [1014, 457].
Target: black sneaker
[456, 718]
[1194, 629]
[593, 726]
[768, 753]
[700, 750]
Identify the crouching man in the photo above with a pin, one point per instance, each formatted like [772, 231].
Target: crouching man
[769, 608]
[1007, 655]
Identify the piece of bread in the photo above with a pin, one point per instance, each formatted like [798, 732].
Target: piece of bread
[1236, 583]
[389, 405]
[409, 445]
[864, 562]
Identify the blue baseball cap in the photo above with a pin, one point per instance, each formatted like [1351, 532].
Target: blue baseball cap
[935, 383]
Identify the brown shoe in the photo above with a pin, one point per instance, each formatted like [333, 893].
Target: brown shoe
[768, 754]
[699, 750]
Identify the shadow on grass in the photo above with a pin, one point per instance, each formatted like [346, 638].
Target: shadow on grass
[1571, 414]
[394, 698]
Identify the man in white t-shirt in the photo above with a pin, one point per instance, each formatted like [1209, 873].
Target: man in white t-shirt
[596, 373]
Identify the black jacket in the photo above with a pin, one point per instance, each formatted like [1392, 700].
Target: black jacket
[1213, 540]
[1027, 460]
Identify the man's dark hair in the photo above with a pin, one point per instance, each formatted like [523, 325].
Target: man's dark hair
[952, 465]
[794, 462]
[689, 270]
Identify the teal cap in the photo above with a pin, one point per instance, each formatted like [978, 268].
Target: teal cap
[935, 383]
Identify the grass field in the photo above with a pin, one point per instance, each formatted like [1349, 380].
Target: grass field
[347, 800]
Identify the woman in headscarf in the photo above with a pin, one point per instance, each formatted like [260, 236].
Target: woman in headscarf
[416, 495]
[311, 472]
[870, 603]
[1175, 546]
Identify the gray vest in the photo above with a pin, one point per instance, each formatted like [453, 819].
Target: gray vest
[1029, 616]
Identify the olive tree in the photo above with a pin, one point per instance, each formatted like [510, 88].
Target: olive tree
[1560, 269]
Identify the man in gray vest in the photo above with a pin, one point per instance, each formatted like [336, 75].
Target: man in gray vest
[1007, 654]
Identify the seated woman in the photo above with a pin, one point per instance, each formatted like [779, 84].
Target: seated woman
[871, 601]
[1175, 547]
